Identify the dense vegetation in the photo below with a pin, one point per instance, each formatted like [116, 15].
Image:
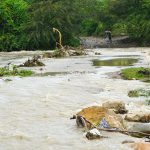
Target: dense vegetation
[28, 24]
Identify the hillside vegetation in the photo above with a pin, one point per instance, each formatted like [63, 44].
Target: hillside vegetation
[28, 24]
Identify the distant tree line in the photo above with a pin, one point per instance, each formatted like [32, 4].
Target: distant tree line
[28, 24]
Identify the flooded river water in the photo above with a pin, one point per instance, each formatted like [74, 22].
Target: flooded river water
[35, 111]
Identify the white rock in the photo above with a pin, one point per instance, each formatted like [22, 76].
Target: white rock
[93, 134]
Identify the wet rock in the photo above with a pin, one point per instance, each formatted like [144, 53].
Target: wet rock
[117, 106]
[139, 127]
[93, 134]
[140, 146]
[80, 122]
[138, 117]
[145, 71]
[96, 114]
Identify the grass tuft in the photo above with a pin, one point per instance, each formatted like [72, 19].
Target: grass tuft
[136, 73]
[5, 71]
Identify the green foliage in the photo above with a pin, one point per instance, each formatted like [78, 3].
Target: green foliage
[122, 17]
[89, 27]
[136, 16]
[136, 73]
[74, 42]
[45, 15]
[13, 15]
[25, 73]
[139, 92]
[6, 71]
[100, 29]
[27, 24]
[119, 29]
[139, 28]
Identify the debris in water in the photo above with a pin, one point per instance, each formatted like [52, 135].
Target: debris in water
[34, 62]
[104, 124]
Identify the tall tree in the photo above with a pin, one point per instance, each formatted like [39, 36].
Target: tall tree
[46, 15]
[13, 15]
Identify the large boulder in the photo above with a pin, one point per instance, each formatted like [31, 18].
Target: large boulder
[96, 114]
[117, 106]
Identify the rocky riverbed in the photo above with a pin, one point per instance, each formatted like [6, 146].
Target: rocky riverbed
[35, 111]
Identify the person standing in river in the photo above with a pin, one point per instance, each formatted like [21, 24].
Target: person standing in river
[108, 37]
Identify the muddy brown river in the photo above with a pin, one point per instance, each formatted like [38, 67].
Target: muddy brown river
[35, 111]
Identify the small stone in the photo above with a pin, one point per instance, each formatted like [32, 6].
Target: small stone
[93, 134]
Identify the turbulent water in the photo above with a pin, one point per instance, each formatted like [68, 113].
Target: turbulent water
[35, 111]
